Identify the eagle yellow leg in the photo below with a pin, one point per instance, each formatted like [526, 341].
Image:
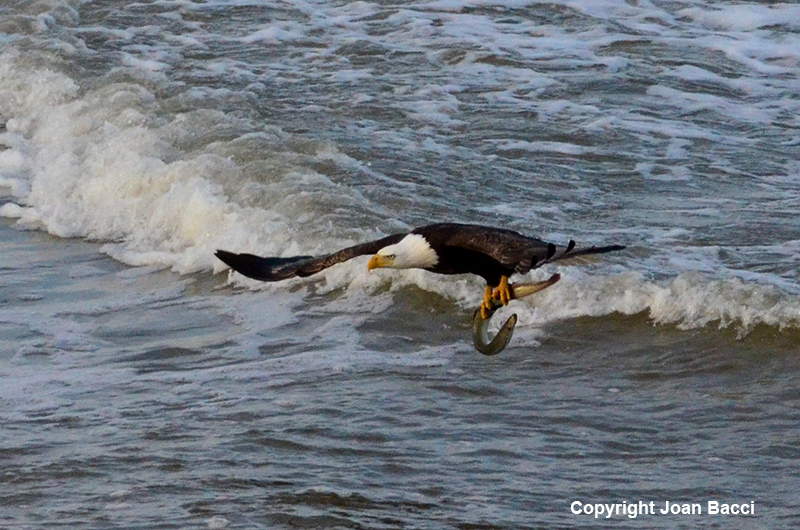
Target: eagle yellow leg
[503, 291]
[487, 307]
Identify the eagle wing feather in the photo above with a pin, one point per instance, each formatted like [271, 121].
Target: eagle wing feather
[516, 251]
[273, 269]
[511, 249]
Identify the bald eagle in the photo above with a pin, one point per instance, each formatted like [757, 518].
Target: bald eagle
[494, 254]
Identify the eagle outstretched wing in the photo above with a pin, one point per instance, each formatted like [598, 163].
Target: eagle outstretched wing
[273, 269]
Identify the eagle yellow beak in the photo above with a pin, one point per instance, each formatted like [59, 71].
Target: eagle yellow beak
[377, 261]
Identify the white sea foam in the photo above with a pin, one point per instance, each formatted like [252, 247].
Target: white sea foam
[274, 34]
[104, 167]
[746, 17]
[690, 300]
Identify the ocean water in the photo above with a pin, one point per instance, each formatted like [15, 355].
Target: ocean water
[143, 386]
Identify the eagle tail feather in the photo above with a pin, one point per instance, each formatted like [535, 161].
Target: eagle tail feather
[583, 256]
[568, 256]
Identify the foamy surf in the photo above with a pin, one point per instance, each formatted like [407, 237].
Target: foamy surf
[688, 301]
[103, 165]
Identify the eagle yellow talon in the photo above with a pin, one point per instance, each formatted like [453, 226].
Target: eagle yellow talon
[503, 291]
[487, 307]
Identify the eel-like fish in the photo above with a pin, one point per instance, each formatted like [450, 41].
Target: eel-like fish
[480, 325]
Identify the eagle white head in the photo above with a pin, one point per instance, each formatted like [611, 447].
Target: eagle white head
[413, 251]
